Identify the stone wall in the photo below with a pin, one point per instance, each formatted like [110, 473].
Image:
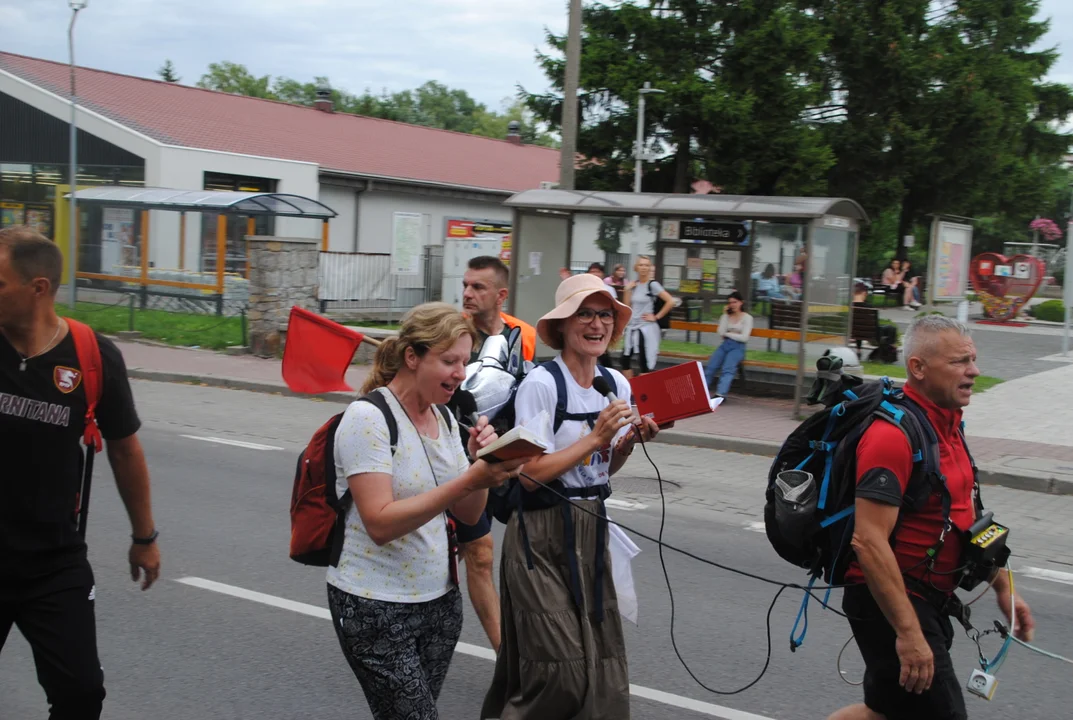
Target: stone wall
[283, 273]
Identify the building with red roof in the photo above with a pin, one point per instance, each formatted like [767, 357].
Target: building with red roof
[141, 132]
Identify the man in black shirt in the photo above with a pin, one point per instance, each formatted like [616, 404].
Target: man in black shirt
[48, 588]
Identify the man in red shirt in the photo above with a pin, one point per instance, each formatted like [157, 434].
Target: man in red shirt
[903, 636]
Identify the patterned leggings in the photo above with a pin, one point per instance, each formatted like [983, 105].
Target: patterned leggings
[399, 652]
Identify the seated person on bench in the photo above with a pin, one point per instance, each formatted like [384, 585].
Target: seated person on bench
[735, 326]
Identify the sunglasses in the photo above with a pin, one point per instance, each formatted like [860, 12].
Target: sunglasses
[586, 315]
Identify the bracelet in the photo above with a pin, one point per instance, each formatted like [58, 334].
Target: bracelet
[146, 540]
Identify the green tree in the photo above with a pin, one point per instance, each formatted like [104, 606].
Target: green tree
[168, 73]
[941, 107]
[235, 78]
[737, 78]
[433, 104]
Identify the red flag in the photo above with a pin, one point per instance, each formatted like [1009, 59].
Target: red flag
[318, 353]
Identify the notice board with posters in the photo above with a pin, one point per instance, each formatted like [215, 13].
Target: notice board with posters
[948, 260]
[466, 239]
[703, 259]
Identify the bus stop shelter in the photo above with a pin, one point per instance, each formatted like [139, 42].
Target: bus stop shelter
[222, 204]
[705, 247]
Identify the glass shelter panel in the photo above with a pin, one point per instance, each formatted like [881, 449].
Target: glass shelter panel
[830, 277]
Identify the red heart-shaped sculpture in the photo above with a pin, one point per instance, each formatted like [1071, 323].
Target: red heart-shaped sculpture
[1004, 284]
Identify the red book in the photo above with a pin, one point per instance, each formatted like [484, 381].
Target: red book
[317, 353]
[676, 393]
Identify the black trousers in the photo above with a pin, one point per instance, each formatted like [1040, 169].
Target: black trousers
[876, 640]
[55, 615]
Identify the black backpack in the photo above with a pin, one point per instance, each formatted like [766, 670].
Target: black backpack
[811, 527]
[808, 513]
[504, 499]
[657, 305]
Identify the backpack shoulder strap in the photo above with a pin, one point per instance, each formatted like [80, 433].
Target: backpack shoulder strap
[977, 498]
[561, 396]
[447, 416]
[377, 399]
[89, 362]
[556, 373]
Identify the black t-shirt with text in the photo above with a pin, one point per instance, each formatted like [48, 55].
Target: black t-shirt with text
[42, 417]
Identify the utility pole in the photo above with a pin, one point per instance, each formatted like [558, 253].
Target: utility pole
[570, 86]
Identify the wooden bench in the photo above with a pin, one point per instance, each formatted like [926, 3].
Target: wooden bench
[785, 319]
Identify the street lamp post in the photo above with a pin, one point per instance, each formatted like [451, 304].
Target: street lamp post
[72, 224]
[639, 157]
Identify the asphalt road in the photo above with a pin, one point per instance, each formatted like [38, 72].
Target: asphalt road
[184, 651]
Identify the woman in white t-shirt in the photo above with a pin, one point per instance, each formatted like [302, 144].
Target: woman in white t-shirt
[396, 608]
[643, 333]
[563, 654]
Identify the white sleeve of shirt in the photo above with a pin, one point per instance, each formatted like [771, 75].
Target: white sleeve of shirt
[362, 443]
[534, 408]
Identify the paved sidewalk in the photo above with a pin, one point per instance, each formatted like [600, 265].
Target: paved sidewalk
[1020, 432]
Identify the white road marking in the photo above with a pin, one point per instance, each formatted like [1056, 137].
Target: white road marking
[756, 527]
[678, 701]
[624, 504]
[1044, 574]
[236, 443]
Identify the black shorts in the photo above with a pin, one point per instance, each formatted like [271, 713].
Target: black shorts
[875, 637]
[469, 533]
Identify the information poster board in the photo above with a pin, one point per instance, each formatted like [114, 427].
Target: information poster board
[704, 259]
[458, 229]
[406, 244]
[951, 251]
[117, 240]
[12, 213]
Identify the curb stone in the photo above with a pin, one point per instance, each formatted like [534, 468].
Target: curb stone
[1024, 480]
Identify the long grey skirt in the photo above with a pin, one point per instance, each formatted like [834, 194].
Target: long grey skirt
[557, 662]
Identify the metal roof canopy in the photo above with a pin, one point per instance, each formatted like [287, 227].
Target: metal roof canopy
[214, 201]
[543, 224]
[748, 207]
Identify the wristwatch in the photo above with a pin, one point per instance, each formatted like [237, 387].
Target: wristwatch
[145, 540]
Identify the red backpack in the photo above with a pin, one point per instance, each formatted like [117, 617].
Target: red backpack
[89, 362]
[318, 514]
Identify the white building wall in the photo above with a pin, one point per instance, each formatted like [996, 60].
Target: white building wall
[185, 169]
[376, 211]
[342, 229]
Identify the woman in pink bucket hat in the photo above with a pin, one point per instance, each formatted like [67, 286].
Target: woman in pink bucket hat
[563, 654]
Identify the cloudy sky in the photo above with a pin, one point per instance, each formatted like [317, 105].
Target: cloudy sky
[486, 47]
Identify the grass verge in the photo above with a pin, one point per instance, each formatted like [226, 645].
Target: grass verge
[173, 328]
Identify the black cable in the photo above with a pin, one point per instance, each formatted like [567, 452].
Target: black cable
[667, 578]
[660, 544]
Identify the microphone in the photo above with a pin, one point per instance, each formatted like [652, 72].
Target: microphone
[604, 388]
[466, 404]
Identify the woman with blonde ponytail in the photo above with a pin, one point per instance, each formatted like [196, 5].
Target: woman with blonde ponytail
[396, 609]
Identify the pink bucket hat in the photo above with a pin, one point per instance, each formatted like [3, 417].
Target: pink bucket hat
[568, 298]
